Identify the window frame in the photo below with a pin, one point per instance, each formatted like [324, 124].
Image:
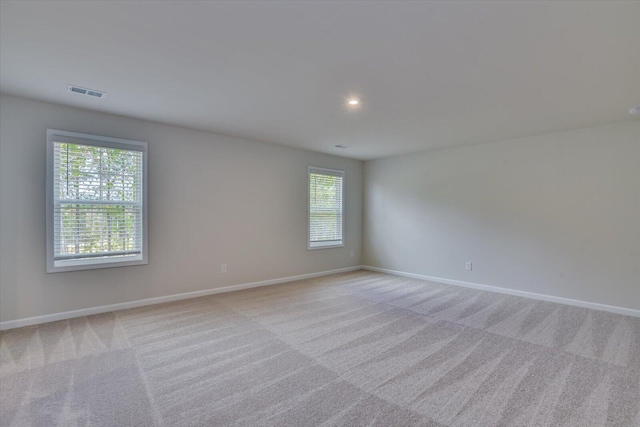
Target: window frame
[334, 172]
[96, 141]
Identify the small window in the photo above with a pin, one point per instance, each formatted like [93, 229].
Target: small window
[326, 225]
[96, 202]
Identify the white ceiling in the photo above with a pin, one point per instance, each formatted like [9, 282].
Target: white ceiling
[430, 75]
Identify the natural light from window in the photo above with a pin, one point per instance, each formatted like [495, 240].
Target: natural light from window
[326, 188]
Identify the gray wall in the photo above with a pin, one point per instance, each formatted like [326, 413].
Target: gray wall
[557, 214]
[212, 200]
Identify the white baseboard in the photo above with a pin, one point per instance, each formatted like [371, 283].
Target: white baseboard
[550, 298]
[10, 324]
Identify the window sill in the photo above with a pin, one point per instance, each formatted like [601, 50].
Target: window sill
[325, 246]
[92, 264]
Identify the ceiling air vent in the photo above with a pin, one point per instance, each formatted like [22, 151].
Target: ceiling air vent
[88, 92]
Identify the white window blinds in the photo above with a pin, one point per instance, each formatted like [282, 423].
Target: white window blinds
[98, 203]
[326, 187]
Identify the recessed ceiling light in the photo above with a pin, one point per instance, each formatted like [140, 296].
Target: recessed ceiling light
[353, 101]
[634, 111]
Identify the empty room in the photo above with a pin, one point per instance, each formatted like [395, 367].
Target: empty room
[319, 213]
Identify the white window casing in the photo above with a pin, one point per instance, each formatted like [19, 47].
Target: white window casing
[96, 202]
[326, 208]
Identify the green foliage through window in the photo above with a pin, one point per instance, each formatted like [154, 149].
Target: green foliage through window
[98, 201]
[325, 209]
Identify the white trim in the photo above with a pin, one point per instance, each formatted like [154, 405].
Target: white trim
[560, 300]
[332, 172]
[54, 135]
[29, 321]
[18, 323]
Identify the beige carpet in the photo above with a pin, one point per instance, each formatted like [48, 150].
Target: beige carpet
[357, 349]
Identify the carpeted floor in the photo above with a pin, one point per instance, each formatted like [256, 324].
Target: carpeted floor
[356, 349]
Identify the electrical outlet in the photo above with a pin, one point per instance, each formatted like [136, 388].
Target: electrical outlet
[223, 268]
[468, 266]
[351, 254]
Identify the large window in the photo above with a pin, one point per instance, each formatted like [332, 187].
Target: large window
[96, 201]
[326, 188]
